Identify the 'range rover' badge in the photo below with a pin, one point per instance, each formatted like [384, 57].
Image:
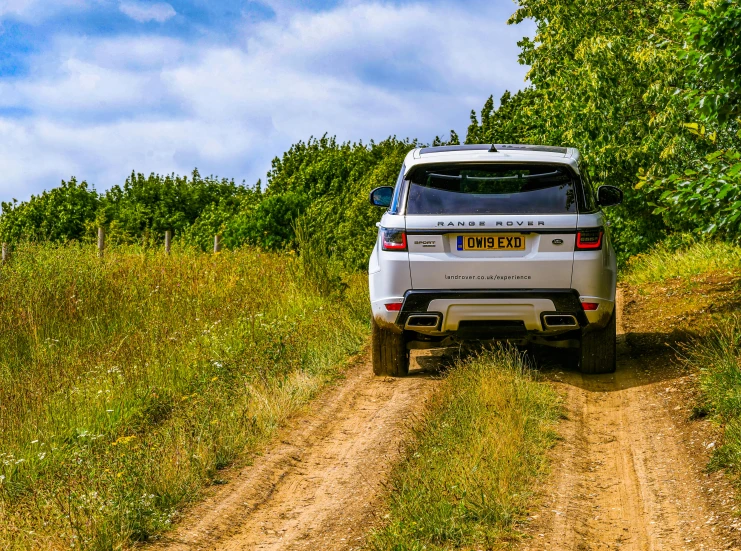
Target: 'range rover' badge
[557, 241]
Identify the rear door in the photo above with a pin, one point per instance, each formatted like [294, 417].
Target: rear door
[491, 226]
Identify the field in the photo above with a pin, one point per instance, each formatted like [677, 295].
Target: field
[147, 397]
[127, 383]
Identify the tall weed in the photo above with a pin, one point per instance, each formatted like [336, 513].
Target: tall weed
[128, 382]
[718, 360]
[319, 266]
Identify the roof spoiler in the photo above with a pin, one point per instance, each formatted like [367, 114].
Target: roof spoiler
[493, 148]
[465, 147]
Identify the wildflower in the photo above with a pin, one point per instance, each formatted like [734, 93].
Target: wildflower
[123, 440]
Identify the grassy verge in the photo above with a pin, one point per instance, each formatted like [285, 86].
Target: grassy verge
[698, 259]
[698, 291]
[468, 479]
[671, 296]
[127, 383]
[717, 359]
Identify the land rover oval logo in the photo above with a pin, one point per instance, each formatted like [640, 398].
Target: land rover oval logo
[558, 241]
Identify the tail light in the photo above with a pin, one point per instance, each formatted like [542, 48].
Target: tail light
[393, 240]
[393, 306]
[590, 306]
[589, 239]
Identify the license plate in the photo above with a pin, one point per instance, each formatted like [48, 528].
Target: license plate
[491, 242]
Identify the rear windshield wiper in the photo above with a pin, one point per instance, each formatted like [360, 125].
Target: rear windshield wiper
[494, 178]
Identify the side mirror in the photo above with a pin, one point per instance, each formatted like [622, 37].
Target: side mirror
[608, 196]
[382, 196]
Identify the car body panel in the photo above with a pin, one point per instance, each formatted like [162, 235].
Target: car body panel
[456, 310]
[542, 264]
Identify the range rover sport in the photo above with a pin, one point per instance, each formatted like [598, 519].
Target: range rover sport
[493, 242]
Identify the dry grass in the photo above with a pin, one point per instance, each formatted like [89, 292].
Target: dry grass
[664, 263]
[469, 478]
[127, 383]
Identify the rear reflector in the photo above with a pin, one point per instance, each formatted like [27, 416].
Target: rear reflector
[589, 306]
[393, 240]
[393, 306]
[589, 239]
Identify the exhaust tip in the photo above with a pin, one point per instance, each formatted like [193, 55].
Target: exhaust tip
[426, 320]
[560, 321]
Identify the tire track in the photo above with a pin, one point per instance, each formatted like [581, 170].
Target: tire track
[622, 478]
[322, 484]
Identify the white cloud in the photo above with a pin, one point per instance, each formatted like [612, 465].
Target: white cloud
[144, 12]
[104, 106]
[37, 10]
[52, 151]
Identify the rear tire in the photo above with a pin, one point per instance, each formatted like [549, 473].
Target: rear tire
[389, 352]
[598, 352]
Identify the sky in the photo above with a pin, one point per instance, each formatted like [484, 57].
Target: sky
[98, 88]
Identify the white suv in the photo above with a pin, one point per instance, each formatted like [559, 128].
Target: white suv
[493, 242]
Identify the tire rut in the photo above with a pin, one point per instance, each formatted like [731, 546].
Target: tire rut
[622, 478]
[321, 484]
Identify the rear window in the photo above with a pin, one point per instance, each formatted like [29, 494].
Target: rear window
[491, 189]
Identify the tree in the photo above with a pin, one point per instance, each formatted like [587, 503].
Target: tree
[704, 196]
[151, 205]
[60, 214]
[600, 81]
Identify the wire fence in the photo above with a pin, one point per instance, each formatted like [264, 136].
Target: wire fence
[101, 245]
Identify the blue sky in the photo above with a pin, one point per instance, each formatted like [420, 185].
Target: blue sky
[98, 88]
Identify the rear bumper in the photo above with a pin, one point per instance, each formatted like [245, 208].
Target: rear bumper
[528, 306]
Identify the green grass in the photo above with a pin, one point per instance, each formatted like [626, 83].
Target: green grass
[663, 263]
[717, 359]
[469, 477]
[127, 383]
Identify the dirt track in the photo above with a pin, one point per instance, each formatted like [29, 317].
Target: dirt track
[630, 471]
[322, 485]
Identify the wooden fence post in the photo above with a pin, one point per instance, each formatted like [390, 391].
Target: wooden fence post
[6, 253]
[168, 240]
[101, 242]
[217, 243]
